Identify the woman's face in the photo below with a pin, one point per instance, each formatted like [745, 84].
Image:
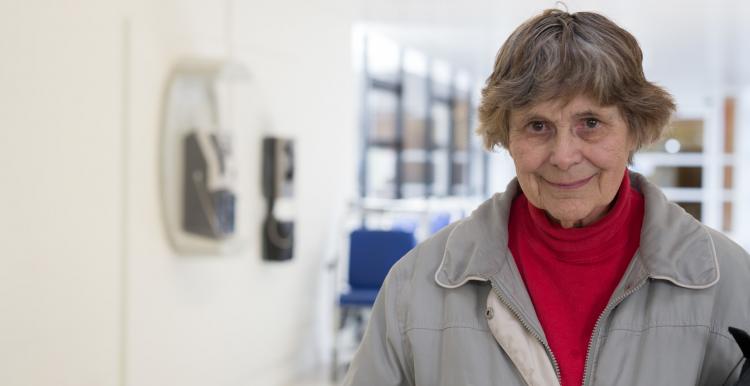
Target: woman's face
[570, 158]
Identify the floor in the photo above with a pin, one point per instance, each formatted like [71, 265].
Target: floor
[348, 341]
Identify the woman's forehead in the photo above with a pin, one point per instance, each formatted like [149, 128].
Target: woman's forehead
[564, 107]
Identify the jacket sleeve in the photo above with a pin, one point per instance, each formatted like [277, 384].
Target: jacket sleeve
[381, 359]
[723, 358]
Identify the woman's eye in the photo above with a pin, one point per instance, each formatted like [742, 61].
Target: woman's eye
[591, 123]
[537, 126]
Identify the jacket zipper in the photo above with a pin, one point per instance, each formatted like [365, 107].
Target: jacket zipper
[528, 328]
[606, 311]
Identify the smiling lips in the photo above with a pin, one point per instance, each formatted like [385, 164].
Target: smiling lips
[571, 185]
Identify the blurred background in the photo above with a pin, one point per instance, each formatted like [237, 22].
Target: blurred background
[289, 124]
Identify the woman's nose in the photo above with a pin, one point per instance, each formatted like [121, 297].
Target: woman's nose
[566, 152]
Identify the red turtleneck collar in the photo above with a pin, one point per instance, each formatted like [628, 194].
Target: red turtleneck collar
[570, 274]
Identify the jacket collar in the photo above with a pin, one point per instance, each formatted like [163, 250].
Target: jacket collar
[674, 246]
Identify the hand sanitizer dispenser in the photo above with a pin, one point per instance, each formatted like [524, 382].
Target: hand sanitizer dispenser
[205, 153]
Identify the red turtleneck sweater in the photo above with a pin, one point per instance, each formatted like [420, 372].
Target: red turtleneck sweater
[570, 274]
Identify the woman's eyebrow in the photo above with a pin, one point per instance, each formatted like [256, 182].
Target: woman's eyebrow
[532, 116]
[589, 113]
[593, 113]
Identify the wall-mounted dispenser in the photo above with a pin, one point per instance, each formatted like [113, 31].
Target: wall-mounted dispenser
[205, 152]
[209, 188]
[278, 190]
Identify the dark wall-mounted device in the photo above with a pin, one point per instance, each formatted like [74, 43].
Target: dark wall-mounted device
[278, 190]
[208, 186]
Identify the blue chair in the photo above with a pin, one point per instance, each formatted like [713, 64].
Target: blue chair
[372, 253]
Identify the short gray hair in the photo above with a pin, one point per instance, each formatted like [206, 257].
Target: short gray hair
[560, 55]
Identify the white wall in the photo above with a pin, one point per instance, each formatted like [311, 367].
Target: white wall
[90, 291]
[236, 320]
[59, 202]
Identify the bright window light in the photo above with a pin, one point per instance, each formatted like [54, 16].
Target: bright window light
[672, 146]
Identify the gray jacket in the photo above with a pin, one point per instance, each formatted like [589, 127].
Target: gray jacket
[454, 311]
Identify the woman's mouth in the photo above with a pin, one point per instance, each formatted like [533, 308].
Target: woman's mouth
[570, 185]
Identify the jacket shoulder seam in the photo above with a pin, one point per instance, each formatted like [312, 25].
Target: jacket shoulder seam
[449, 327]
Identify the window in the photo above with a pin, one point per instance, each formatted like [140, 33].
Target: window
[417, 124]
[694, 163]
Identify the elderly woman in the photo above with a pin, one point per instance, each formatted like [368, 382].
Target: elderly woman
[581, 272]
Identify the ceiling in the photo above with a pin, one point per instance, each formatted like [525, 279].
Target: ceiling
[692, 47]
